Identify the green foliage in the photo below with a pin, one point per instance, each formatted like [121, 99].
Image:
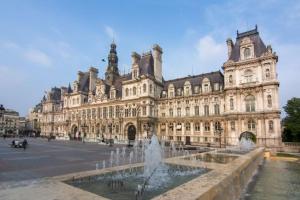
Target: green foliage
[292, 121]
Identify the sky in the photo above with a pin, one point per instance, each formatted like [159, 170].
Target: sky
[44, 43]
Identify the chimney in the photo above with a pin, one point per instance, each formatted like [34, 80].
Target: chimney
[135, 58]
[229, 46]
[79, 76]
[93, 77]
[157, 56]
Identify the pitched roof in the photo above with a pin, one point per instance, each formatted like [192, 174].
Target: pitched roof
[259, 46]
[214, 77]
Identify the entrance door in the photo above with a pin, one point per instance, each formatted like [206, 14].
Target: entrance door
[188, 140]
[131, 134]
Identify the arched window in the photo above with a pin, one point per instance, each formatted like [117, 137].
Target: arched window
[250, 103]
[206, 110]
[151, 88]
[187, 111]
[144, 88]
[269, 99]
[217, 109]
[271, 126]
[247, 53]
[231, 104]
[206, 126]
[251, 125]
[134, 90]
[126, 92]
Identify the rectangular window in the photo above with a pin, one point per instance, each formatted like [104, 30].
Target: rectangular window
[232, 125]
[144, 111]
[197, 127]
[197, 110]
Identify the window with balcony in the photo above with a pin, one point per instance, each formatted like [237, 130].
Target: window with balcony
[197, 110]
[187, 126]
[217, 109]
[187, 111]
[206, 110]
[178, 112]
[197, 126]
[206, 126]
[250, 103]
[171, 112]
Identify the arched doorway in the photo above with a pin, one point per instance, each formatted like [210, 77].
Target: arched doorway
[131, 132]
[248, 135]
[74, 130]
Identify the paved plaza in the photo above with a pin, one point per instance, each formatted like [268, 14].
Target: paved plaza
[46, 159]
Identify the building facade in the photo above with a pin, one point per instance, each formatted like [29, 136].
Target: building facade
[207, 108]
[9, 121]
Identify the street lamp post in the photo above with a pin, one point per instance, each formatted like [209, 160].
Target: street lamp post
[218, 131]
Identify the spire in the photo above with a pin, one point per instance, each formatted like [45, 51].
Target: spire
[112, 69]
[69, 88]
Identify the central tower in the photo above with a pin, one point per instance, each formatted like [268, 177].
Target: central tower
[112, 71]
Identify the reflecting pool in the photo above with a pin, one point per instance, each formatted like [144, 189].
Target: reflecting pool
[277, 179]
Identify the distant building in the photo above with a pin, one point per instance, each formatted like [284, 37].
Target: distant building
[9, 121]
[200, 109]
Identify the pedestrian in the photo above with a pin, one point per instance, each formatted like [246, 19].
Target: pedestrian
[24, 144]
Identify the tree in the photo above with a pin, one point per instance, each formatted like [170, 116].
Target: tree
[292, 120]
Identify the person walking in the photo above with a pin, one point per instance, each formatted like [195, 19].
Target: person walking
[24, 144]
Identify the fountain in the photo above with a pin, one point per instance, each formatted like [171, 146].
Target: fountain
[150, 179]
[149, 174]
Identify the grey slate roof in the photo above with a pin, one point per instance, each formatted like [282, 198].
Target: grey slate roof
[259, 46]
[55, 94]
[214, 77]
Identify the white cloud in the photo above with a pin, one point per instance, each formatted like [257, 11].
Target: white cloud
[210, 53]
[110, 32]
[38, 57]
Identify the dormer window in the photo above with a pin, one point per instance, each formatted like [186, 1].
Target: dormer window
[247, 53]
[196, 89]
[216, 86]
[135, 73]
[205, 87]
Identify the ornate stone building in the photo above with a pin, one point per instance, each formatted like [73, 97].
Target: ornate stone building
[200, 109]
[9, 122]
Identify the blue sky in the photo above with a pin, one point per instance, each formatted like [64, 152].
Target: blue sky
[44, 43]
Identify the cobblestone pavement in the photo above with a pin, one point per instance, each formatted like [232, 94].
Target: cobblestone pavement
[46, 159]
